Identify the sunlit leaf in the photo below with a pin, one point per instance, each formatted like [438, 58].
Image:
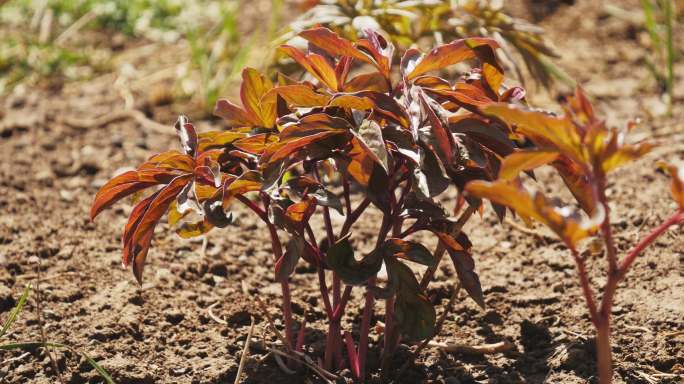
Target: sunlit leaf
[330, 42]
[677, 187]
[546, 131]
[449, 54]
[171, 160]
[234, 115]
[218, 139]
[139, 242]
[301, 211]
[255, 144]
[254, 87]
[567, 223]
[315, 64]
[299, 95]
[408, 250]
[521, 161]
[195, 229]
[128, 183]
[374, 82]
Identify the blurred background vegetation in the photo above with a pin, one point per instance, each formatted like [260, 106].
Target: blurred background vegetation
[200, 44]
[193, 51]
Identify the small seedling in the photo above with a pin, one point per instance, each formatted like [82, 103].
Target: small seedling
[31, 345]
[583, 151]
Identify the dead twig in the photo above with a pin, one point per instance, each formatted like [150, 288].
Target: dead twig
[20, 357]
[112, 117]
[213, 316]
[75, 27]
[245, 352]
[484, 349]
[529, 231]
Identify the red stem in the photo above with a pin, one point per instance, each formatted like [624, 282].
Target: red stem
[675, 219]
[250, 204]
[353, 357]
[606, 231]
[370, 300]
[351, 219]
[284, 285]
[586, 285]
[365, 328]
[603, 347]
[300, 337]
[339, 310]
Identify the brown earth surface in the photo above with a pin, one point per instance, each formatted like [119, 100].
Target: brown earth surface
[189, 320]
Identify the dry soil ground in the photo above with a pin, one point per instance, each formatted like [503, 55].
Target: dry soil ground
[162, 332]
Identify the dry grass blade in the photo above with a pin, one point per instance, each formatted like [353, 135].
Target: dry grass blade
[245, 352]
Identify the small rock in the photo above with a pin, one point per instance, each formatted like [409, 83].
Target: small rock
[219, 269]
[174, 316]
[65, 195]
[6, 299]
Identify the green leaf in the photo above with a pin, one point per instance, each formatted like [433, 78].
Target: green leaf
[15, 311]
[415, 314]
[30, 345]
[340, 258]
[286, 264]
[408, 250]
[413, 311]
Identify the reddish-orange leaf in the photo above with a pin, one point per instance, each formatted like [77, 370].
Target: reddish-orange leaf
[254, 87]
[288, 148]
[141, 238]
[129, 229]
[234, 115]
[215, 139]
[315, 64]
[351, 101]
[366, 82]
[301, 211]
[299, 95]
[255, 144]
[330, 42]
[568, 224]
[170, 159]
[677, 187]
[546, 131]
[127, 184]
[577, 182]
[449, 54]
[521, 161]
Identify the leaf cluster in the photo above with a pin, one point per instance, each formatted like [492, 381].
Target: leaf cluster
[397, 134]
[407, 23]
